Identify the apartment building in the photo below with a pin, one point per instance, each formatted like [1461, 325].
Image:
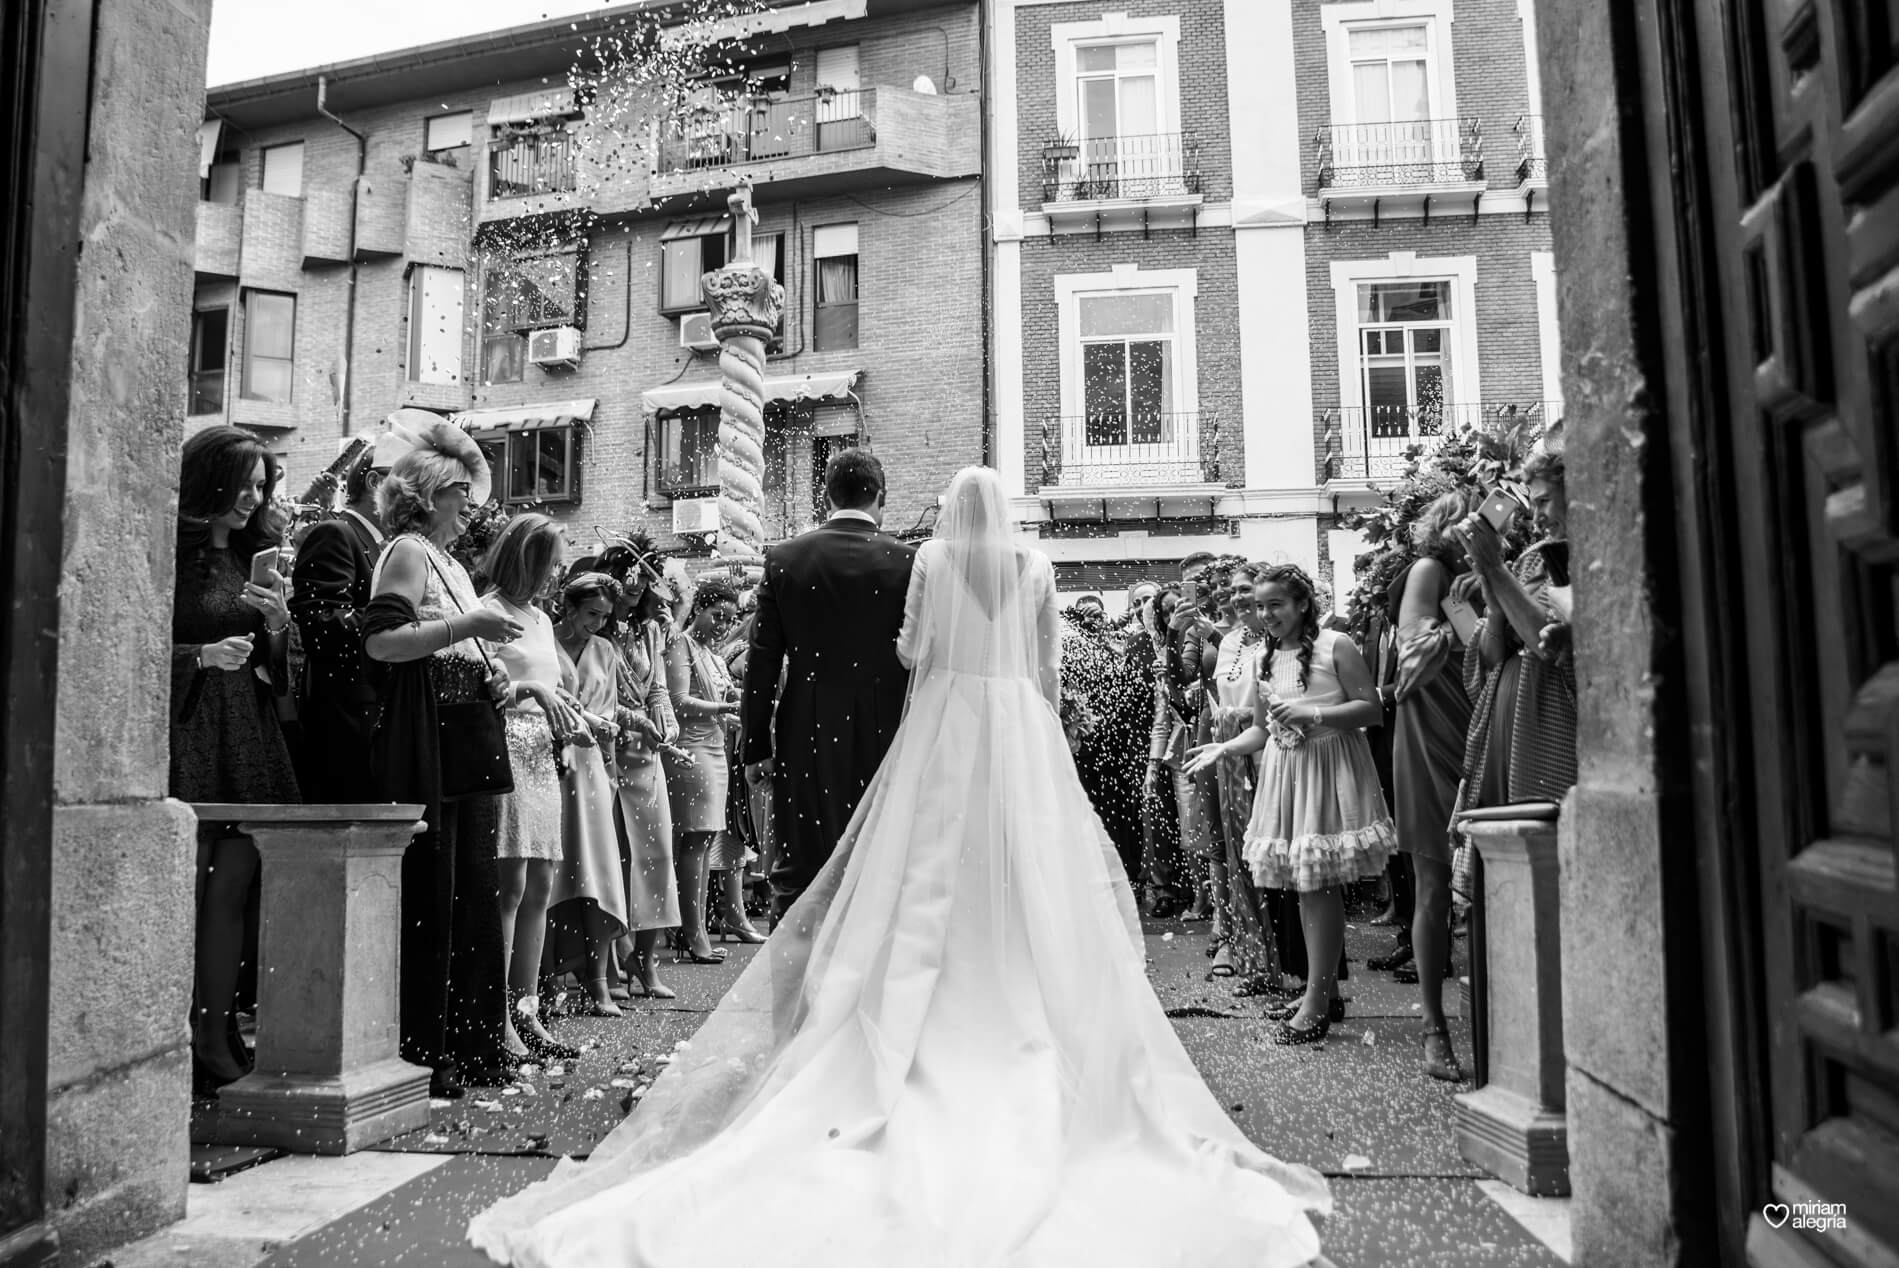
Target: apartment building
[1244, 255]
[455, 227]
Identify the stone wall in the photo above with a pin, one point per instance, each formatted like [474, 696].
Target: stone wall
[119, 1062]
[1632, 1085]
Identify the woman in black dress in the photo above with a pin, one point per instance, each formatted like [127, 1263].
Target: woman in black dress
[229, 640]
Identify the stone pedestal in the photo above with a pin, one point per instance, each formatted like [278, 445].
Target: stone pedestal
[328, 1079]
[1514, 1126]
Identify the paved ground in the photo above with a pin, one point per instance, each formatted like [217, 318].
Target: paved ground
[1355, 1107]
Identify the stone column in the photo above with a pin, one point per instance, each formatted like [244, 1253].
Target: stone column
[328, 1079]
[744, 303]
[1514, 1126]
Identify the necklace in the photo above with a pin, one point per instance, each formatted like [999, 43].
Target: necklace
[1238, 667]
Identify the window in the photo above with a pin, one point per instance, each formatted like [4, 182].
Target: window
[270, 335]
[688, 452]
[1118, 90]
[435, 325]
[834, 257]
[840, 106]
[445, 132]
[534, 465]
[1128, 367]
[520, 294]
[768, 253]
[283, 170]
[1391, 80]
[1405, 335]
[684, 257]
[210, 354]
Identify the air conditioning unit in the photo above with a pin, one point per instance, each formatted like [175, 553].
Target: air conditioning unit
[695, 332]
[695, 516]
[555, 347]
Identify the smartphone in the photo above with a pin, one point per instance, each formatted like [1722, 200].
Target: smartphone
[1500, 507]
[1462, 616]
[263, 564]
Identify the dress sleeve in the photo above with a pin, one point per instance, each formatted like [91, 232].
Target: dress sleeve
[1048, 630]
[913, 638]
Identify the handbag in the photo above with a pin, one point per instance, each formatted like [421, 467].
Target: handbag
[471, 736]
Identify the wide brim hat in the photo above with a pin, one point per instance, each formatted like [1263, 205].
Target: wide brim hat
[419, 429]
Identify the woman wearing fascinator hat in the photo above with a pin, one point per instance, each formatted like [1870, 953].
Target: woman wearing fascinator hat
[425, 622]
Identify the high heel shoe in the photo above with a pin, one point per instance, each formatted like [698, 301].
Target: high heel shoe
[725, 931]
[689, 956]
[1440, 1059]
[1334, 1011]
[1291, 1036]
[540, 1046]
[594, 1007]
[652, 989]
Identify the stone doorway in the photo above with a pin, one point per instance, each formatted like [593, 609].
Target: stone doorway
[1726, 179]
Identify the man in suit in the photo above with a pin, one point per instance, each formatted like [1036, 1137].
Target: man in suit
[830, 606]
[330, 587]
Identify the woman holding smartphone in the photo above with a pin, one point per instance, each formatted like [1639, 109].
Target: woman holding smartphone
[1428, 753]
[230, 635]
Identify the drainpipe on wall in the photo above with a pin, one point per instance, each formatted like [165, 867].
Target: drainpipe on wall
[355, 210]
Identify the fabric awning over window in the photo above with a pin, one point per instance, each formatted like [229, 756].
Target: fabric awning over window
[527, 107]
[208, 134]
[785, 387]
[525, 417]
[705, 228]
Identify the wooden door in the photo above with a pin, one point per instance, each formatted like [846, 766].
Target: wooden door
[1793, 106]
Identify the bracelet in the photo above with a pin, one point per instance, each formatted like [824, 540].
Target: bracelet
[198, 656]
[448, 626]
[1318, 715]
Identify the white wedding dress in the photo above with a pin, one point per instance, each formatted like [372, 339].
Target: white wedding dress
[948, 1055]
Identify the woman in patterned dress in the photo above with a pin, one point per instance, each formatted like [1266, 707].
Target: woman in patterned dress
[542, 718]
[706, 702]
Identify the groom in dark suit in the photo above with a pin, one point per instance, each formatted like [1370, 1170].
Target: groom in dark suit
[829, 609]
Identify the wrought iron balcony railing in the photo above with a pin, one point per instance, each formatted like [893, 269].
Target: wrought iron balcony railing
[1130, 450]
[1375, 442]
[772, 128]
[1384, 155]
[531, 164]
[1532, 159]
[1160, 165]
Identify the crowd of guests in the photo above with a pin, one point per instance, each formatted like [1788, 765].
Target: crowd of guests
[572, 730]
[1255, 765]
[569, 726]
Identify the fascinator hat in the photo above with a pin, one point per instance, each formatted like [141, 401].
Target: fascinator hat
[418, 429]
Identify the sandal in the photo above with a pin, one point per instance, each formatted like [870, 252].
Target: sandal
[1334, 1011]
[1260, 984]
[1290, 1036]
[1222, 964]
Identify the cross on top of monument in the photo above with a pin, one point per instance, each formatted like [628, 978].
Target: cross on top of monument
[744, 216]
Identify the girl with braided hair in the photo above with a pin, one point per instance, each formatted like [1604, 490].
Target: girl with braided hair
[1319, 818]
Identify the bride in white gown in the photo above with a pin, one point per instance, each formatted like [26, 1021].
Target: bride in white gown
[948, 1055]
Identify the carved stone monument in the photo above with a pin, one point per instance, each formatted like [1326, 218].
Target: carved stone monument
[744, 303]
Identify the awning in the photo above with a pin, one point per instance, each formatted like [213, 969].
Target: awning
[767, 22]
[703, 228]
[784, 387]
[550, 103]
[524, 417]
[208, 134]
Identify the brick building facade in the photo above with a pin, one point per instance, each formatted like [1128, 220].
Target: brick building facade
[524, 258]
[1305, 182]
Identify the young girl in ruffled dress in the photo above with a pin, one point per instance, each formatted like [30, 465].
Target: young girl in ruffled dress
[1319, 820]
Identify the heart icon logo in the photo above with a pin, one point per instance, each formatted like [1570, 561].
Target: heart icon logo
[1776, 1213]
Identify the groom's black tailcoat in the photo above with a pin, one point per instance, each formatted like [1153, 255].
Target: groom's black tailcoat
[829, 609]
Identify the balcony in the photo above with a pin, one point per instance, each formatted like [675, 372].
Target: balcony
[530, 174]
[1375, 442]
[1386, 166]
[1141, 451]
[220, 238]
[1121, 177]
[826, 143]
[1533, 164]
